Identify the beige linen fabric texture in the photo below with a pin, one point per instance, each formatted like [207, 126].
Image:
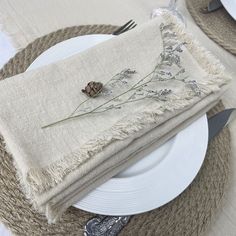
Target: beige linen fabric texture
[59, 165]
[117, 12]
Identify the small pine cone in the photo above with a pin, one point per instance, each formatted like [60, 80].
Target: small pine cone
[93, 88]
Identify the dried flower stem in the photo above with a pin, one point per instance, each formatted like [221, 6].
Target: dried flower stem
[90, 97]
[167, 58]
[89, 112]
[134, 87]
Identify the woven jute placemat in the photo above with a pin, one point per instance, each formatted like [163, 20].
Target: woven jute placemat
[188, 214]
[218, 25]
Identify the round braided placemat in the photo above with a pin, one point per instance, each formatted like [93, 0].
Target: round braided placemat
[188, 214]
[218, 25]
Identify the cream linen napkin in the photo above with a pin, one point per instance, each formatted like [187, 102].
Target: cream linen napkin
[156, 79]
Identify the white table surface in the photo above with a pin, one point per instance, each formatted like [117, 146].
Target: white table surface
[139, 10]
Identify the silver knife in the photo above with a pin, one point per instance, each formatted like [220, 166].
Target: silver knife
[217, 122]
[111, 225]
[212, 6]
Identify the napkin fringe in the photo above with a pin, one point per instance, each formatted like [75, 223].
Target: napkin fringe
[40, 180]
[205, 58]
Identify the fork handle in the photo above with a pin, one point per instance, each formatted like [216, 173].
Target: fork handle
[105, 225]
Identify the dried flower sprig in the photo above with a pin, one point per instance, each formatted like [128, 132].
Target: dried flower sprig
[96, 108]
[124, 74]
[160, 95]
[192, 84]
[168, 58]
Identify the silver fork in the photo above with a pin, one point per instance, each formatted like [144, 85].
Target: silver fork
[127, 26]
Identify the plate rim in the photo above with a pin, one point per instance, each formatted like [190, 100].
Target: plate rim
[230, 7]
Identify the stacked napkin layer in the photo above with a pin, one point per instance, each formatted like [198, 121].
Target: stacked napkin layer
[156, 80]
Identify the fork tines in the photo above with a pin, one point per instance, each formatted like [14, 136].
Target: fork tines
[127, 26]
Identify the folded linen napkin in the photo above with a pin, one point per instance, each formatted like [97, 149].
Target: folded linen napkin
[156, 80]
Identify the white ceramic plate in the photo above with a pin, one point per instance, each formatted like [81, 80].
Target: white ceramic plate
[6, 48]
[230, 6]
[156, 179]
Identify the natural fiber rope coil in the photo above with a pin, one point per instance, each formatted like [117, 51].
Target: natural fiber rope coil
[218, 25]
